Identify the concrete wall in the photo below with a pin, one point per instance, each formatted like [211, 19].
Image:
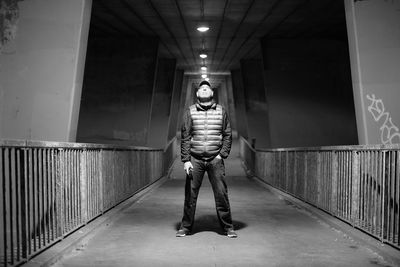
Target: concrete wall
[308, 87]
[161, 103]
[117, 92]
[41, 70]
[374, 40]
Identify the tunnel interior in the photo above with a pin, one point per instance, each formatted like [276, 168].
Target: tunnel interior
[281, 68]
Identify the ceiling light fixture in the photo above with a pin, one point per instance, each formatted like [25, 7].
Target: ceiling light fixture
[203, 28]
[203, 55]
[203, 68]
[207, 79]
[204, 76]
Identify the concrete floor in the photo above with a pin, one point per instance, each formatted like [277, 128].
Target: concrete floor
[272, 232]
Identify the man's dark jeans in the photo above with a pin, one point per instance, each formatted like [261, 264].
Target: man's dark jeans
[216, 174]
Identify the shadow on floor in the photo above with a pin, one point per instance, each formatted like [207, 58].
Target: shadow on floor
[210, 223]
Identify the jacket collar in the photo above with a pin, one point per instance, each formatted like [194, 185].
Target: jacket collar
[206, 106]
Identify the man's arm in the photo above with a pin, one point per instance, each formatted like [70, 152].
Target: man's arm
[226, 136]
[186, 134]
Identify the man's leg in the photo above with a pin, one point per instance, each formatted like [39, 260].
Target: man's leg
[216, 174]
[192, 188]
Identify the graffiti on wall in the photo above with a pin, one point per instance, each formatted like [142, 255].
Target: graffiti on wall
[390, 134]
[9, 14]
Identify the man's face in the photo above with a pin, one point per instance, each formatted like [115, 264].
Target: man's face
[204, 92]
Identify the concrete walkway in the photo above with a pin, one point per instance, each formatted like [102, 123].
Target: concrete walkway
[272, 232]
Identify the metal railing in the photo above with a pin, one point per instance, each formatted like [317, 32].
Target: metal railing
[358, 184]
[49, 189]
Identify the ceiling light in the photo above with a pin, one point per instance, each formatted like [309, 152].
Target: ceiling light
[204, 76]
[202, 55]
[207, 79]
[204, 68]
[203, 28]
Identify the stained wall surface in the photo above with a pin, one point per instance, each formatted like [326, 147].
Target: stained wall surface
[374, 40]
[41, 70]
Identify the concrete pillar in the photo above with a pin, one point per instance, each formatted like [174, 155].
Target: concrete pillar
[231, 104]
[182, 103]
[161, 103]
[239, 100]
[41, 71]
[256, 102]
[373, 29]
[118, 88]
[175, 104]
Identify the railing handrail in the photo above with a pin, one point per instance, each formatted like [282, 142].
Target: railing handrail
[169, 143]
[70, 145]
[248, 144]
[357, 183]
[325, 148]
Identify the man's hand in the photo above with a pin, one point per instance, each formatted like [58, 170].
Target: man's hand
[218, 156]
[187, 166]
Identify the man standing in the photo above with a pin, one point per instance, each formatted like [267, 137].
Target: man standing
[206, 142]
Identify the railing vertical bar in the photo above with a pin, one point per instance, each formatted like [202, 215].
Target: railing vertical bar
[53, 217]
[59, 192]
[350, 185]
[35, 200]
[80, 191]
[372, 201]
[13, 211]
[362, 194]
[397, 199]
[382, 198]
[70, 189]
[88, 160]
[73, 191]
[3, 208]
[391, 198]
[342, 185]
[48, 200]
[19, 204]
[40, 198]
[92, 185]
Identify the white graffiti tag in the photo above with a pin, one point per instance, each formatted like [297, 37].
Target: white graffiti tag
[390, 134]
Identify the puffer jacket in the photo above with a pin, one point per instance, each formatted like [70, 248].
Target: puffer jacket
[205, 132]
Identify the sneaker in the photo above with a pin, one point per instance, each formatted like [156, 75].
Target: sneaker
[231, 233]
[182, 233]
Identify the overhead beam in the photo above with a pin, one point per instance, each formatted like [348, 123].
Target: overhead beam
[105, 23]
[186, 30]
[133, 11]
[276, 26]
[219, 31]
[119, 18]
[168, 30]
[255, 29]
[236, 31]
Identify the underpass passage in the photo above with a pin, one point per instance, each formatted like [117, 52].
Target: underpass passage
[272, 231]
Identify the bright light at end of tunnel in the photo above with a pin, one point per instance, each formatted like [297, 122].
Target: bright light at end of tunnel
[204, 68]
[204, 76]
[203, 28]
[203, 55]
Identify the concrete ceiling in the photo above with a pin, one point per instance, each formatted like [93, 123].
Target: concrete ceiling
[235, 26]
